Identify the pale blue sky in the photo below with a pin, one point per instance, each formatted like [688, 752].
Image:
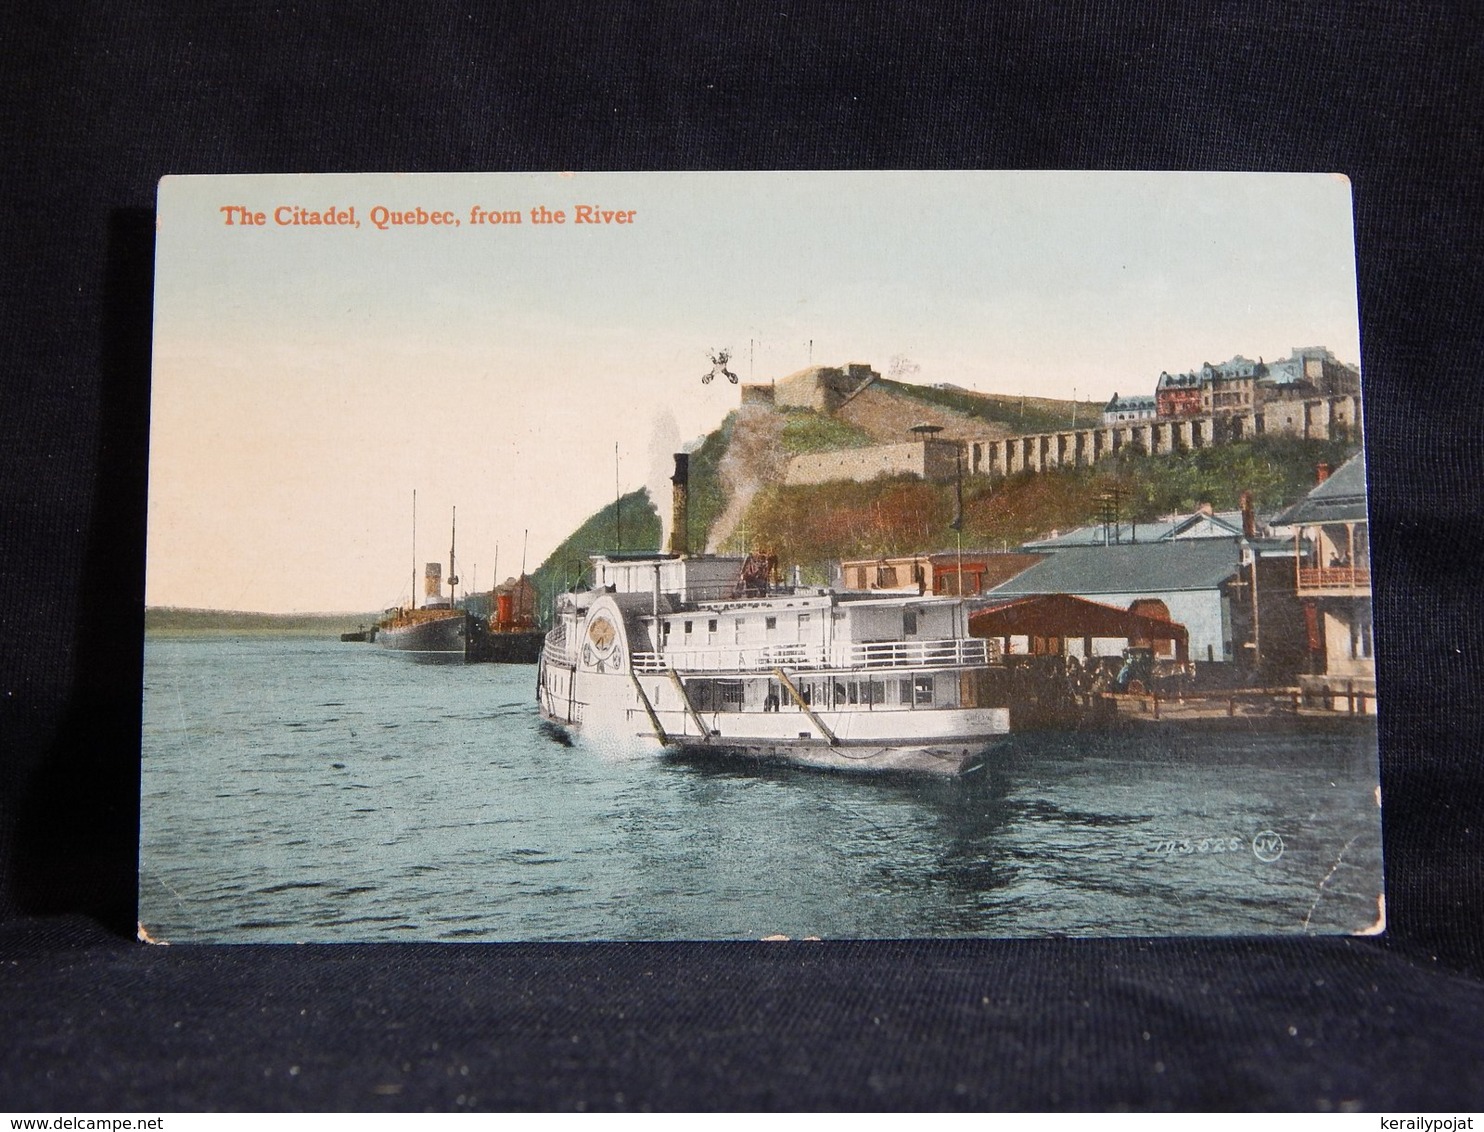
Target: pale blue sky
[307, 379]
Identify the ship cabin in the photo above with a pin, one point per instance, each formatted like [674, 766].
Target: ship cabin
[742, 642]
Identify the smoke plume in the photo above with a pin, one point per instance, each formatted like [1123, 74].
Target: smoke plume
[754, 457]
[664, 442]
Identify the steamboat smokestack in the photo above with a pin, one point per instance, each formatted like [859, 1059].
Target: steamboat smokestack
[680, 515]
[433, 584]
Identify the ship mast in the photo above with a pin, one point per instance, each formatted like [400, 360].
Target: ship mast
[412, 593]
[453, 574]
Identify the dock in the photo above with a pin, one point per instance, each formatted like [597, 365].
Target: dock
[1234, 703]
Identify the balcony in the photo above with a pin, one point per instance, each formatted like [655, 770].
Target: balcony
[1335, 580]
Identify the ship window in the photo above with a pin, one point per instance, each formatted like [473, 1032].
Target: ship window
[922, 689]
[803, 626]
[711, 632]
[737, 631]
[877, 692]
[853, 690]
[909, 620]
[887, 576]
[731, 694]
[905, 691]
[839, 692]
[770, 623]
[688, 625]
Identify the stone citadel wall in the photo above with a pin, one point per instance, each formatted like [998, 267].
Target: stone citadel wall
[934, 460]
[1318, 418]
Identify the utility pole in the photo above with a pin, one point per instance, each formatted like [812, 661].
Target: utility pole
[1109, 508]
[958, 515]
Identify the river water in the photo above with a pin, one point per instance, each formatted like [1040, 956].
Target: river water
[301, 790]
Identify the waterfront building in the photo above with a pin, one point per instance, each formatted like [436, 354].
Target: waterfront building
[1332, 580]
[934, 573]
[1183, 581]
[1201, 523]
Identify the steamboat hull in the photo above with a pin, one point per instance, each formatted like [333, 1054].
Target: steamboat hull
[443, 640]
[952, 758]
[917, 760]
[623, 710]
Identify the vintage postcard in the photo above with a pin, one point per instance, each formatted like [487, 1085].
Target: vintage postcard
[757, 555]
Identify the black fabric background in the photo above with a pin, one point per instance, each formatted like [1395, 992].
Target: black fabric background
[100, 100]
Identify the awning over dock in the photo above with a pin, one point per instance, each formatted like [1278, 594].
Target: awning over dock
[1062, 615]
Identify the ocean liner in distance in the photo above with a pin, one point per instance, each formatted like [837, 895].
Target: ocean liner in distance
[438, 632]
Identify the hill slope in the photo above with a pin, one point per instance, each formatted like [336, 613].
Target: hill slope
[1012, 415]
[814, 524]
[739, 502]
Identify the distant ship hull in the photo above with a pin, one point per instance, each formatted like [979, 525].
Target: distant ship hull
[427, 635]
[512, 646]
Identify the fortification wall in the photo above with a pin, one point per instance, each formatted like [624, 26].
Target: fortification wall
[860, 464]
[822, 388]
[1322, 418]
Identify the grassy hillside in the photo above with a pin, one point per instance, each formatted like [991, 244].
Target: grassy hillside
[812, 524]
[1019, 414]
[598, 535]
[707, 497]
[810, 431]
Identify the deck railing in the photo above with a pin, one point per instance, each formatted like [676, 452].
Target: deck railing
[1334, 578]
[555, 652]
[916, 654]
[810, 657]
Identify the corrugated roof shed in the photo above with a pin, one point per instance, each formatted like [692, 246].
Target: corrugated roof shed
[1060, 615]
[1222, 524]
[1159, 567]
